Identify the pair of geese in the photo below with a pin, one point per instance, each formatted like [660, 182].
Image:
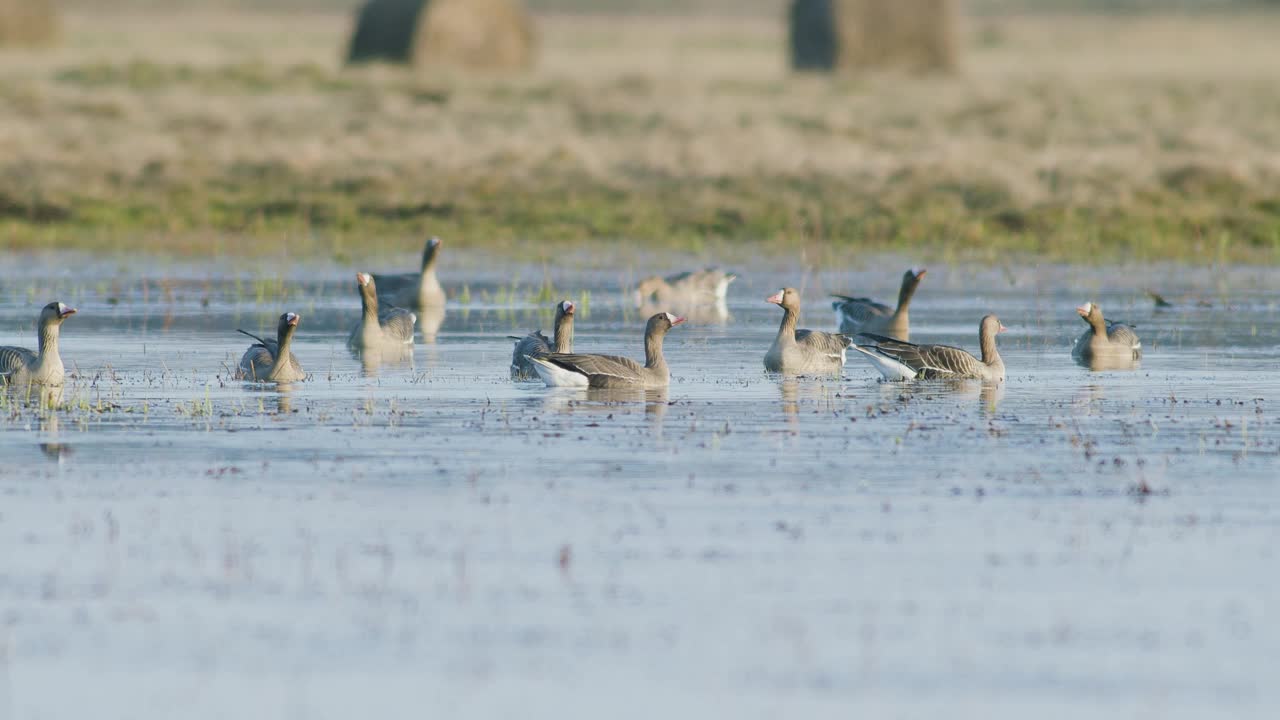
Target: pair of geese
[802, 351]
[385, 326]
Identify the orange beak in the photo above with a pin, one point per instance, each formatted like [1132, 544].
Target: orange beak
[775, 298]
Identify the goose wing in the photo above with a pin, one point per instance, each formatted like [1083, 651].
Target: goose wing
[929, 361]
[1123, 334]
[533, 344]
[859, 311]
[12, 358]
[830, 344]
[612, 366]
[397, 323]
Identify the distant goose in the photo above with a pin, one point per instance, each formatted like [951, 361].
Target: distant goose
[611, 371]
[271, 360]
[803, 351]
[864, 315]
[414, 290]
[899, 360]
[1105, 338]
[19, 366]
[695, 287]
[379, 330]
[536, 344]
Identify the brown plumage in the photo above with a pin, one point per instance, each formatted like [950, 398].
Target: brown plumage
[19, 366]
[900, 360]
[864, 315]
[272, 360]
[379, 329]
[1104, 338]
[803, 351]
[417, 289]
[535, 344]
[612, 371]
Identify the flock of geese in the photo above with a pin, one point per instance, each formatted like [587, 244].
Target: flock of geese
[878, 332]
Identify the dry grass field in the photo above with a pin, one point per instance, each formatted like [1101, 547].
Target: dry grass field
[1077, 137]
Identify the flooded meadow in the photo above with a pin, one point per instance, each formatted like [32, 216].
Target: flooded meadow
[424, 533]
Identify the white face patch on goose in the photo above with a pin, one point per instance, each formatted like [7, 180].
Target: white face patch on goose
[62, 309]
[363, 279]
[670, 318]
[566, 306]
[290, 318]
[1088, 308]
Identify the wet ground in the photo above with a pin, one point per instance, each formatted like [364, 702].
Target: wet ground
[429, 538]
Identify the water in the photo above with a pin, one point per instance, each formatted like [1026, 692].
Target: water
[430, 535]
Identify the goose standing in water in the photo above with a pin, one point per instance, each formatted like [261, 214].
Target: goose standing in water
[19, 366]
[612, 371]
[390, 328]
[799, 352]
[855, 316]
[900, 360]
[697, 287]
[414, 290]
[1105, 340]
[535, 344]
[272, 360]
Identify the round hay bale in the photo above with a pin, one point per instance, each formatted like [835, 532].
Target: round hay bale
[474, 34]
[28, 23]
[913, 35]
[384, 31]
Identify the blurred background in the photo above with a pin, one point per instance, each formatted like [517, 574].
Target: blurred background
[1062, 128]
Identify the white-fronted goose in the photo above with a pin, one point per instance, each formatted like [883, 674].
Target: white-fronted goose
[612, 371]
[900, 360]
[414, 290]
[864, 315]
[1105, 338]
[272, 360]
[687, 288]
[535, 344]
[379, 329]
[799, 352]
[19, 366]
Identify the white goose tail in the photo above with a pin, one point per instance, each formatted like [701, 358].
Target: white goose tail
[554, 375]
[890, 367]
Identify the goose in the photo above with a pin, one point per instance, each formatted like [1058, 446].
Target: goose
[694, 287]
[864, 315]
[414, 290]
[271, 360]
[1105, 338]
[803, 351]
[611, 371]
[901, 360]
[391, 327]
[535, 343]
[19, 366]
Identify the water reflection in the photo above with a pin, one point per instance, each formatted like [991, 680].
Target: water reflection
[986, 395]
[797, 391]
[373, 359]
[1108, 361]
[605, 403]
[429, 321]
[716, 313]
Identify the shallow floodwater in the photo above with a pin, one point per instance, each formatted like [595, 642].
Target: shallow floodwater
[428, 539]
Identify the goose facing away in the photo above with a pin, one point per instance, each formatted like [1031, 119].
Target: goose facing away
[612, 371]
[414, 290]
[864, 315]
[1105, 338]
[387, 328]
[803, 351]
[272, 360]
[695, 287]
[19, 366]
[901, 360]
[536, 344]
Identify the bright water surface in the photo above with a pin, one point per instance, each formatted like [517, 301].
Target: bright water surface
[431, 540]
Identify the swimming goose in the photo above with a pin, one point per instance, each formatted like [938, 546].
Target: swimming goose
[19, 366]
[537, 344]
[803, 351]
[899, 360]
[414, 290]
[1105, 337]
[695, 287]
[864, 315]
[271, 360]
[611, 371]
[389, 328]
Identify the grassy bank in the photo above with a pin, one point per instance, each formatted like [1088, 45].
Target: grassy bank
[1080, 137]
